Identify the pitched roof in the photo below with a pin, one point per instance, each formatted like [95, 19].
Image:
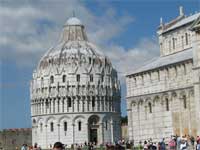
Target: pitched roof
[182, 22]
[164, 61]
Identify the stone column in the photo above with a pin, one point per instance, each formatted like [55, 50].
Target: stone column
[52, 107]
[180, 117]
[130, 126]
[112, 132]
[58, 132]
[101, 127]
[46, 136]
[72, 103]
[56, 105]
[45, 109]
[73, 133]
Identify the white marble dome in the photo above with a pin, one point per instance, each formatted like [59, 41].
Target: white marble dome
[75, 92]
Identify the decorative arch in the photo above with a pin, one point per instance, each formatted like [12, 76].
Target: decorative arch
[64, 118]
[78, 117]
[50, 118]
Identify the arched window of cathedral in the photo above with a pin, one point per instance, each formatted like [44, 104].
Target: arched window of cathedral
[91, 78]
[42, 81]
[184, 102]
[158, 75]
[69, 102]
[184, 69]
[173, 42]
[186, 38]
[150, 107]
[175, 70]
[169, 45]
[90, 60]
[182, 41]
[64, 78]
[65, 126]
[79, 126]
[78, 77]
[102, 78]
[167, 73]
[93, 101]
[167, 104]
[106, 125]
[51, 127]
[161, 46]
[41, 127]
[51, 79]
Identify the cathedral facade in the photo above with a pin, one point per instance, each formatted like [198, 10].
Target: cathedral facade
[163, 96]
[75, 92]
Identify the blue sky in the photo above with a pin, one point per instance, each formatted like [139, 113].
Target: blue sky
[124, 30]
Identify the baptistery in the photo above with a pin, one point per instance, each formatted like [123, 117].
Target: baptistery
[74, 92]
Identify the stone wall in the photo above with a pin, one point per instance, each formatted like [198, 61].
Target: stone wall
[10, 139]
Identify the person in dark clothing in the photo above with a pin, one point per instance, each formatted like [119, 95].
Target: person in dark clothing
[58, 146]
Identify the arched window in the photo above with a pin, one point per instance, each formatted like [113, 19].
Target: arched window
[106, 125]
[64, 78]
[78, 77]
[41, 127]
[90, 60]
[174, 44]
[102, 78]
[184, 102]
[186, 38]
[91, 78]
[150, 108]
[51, 127]
[51, 79]
[69, 102]
[167, 104]
[93, 101]
[42, 81]
[79, 126]
[65, 126]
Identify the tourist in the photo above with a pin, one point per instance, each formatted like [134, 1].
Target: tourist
[145, 145]
[172, 144]
[184, 144]
[178, 142]
[162, 144]
[35, 147]
[23, 147]
[198, 143]
[58, 146]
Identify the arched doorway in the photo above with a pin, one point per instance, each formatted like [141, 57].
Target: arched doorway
[93, 129]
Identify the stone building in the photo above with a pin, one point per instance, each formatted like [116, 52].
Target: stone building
[10, 139]
[75, 92]
[163, 96]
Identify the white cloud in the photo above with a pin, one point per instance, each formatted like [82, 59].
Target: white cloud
[30, 29]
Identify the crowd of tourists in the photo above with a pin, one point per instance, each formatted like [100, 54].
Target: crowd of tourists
[175, 143]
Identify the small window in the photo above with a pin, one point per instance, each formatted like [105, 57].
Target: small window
[174, 44]
[51, 79]
[78, 77]
[91, 78]
[41, 127]
[150, 108]
[106, 125]
[69, 102]
[65, 126]
[51, 127]
[184, 102]
[79, 126]
[167, 104]
[64, 78]
[90, 60]
[186, 38]
[102, 78]
[93, 101]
